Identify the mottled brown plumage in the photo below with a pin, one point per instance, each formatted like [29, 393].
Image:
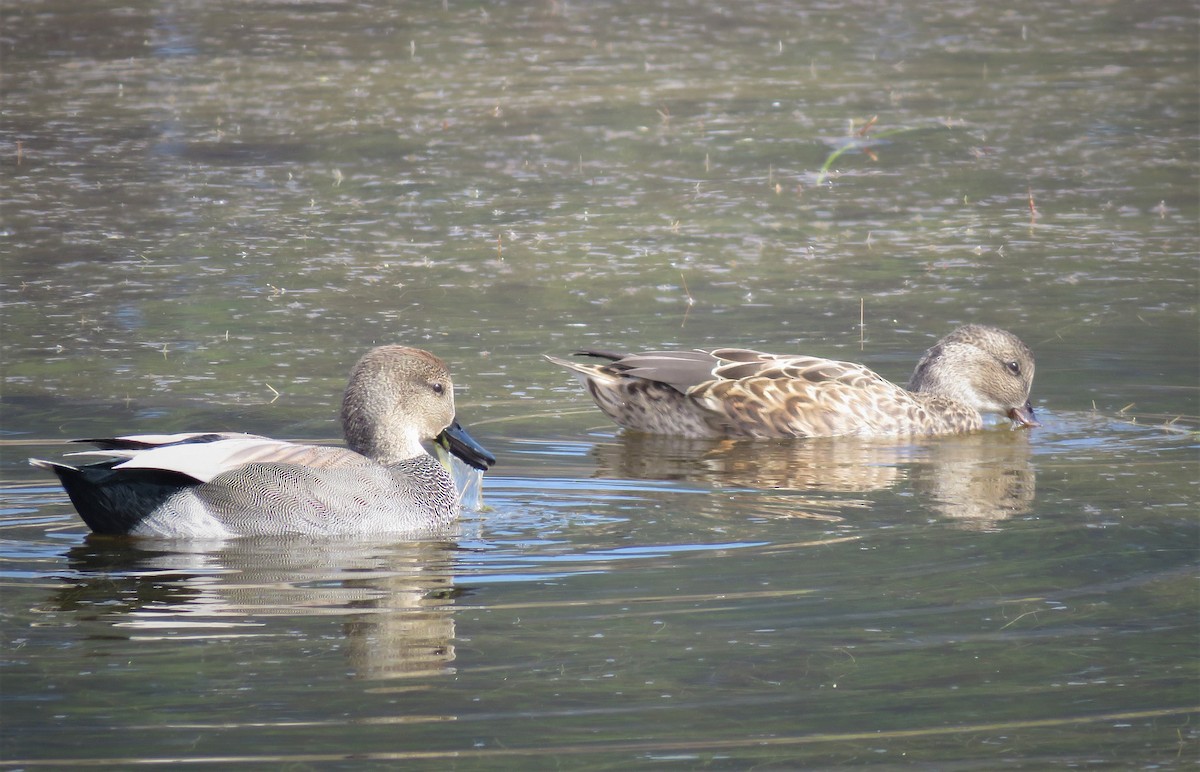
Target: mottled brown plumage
[730, 392]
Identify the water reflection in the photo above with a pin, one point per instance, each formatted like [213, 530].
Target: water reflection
[977, 480]
[396, 599]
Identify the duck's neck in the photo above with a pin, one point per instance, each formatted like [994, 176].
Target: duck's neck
[939, 383]
[387, 448]
[933, 376]
[944, 390]
[369, 432]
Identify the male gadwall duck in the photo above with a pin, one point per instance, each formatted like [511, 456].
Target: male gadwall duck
[731, 392]
[212, 485]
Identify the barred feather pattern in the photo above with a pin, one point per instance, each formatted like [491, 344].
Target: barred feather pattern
[415, 496]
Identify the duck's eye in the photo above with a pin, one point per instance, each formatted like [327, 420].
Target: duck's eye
[1013, 367]
[438, 388]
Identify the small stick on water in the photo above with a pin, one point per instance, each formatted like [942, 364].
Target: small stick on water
[862, 325]
[691, 301]
[1019, 618]
[1033, 212]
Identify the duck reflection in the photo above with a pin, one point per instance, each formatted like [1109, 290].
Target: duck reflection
[977, 479]
[395, 600]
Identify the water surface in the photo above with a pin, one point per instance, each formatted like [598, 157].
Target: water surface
[210, 210]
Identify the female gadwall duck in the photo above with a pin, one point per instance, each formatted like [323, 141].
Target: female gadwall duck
[730, 392]
[223, 484]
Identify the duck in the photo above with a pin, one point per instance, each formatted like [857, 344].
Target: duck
[742, 393]
[230, 484]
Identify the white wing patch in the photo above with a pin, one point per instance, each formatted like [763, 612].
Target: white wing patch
[167, 439]
[204, 461]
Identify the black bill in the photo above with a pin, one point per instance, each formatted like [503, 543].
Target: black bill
[455, 439]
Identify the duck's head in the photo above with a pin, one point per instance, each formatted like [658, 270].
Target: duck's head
[985, 367]
[399, 397]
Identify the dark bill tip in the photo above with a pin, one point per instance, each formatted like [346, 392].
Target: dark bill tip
[1023, 415]
[455, 439]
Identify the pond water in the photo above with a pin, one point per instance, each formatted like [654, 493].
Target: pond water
[211, 209]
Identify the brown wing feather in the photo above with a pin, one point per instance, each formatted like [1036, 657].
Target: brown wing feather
[789, 396]
[681, 370]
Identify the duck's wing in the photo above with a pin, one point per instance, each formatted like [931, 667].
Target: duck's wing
[770, 395]
[204, 459]
[647, 392]
[681, 370]
[744, 364]
[148, 441]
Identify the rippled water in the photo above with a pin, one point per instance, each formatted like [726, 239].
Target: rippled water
[211, 209]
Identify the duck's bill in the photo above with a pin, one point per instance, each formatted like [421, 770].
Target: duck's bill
[1023, 415]
[455, 439]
